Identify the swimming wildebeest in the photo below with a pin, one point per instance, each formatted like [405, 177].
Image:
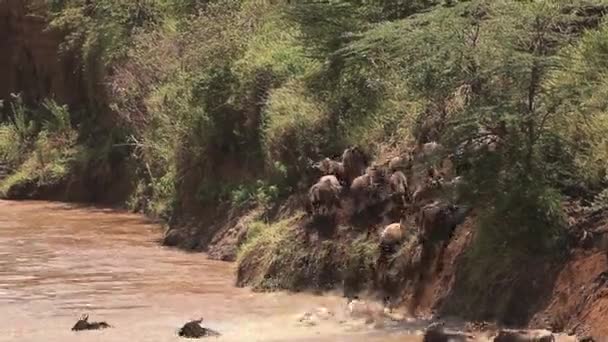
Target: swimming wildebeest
[193, 329]
[84, 324]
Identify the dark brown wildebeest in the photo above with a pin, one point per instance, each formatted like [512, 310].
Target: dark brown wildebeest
[434, 220]
[354, 161]
[193, 329]
[437, 222]
[84, 324]
[398, 187]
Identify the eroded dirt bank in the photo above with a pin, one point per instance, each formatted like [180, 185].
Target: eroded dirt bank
[566, 294]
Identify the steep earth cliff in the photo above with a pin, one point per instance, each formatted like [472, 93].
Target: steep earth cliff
[30, 62]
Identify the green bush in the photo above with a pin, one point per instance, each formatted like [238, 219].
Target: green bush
[40, 158]
[296, 130]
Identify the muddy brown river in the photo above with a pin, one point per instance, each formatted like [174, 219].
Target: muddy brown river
[58, 261]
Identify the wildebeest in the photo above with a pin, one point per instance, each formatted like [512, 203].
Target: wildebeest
[428, 152]
[367, 190]
[360, 190]
[524, 336]
[437, 220]
[331, 167]
[377, 174]
[370, 188]
[399, 163]
[193, 329]
[323, 196]
[391, 236]
[354, 161]
[84, 324]
[433, 220]
[332, 180]
[398, 186]
[427, 190]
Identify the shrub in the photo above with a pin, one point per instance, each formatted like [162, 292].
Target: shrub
[296, 130]
[47, 160]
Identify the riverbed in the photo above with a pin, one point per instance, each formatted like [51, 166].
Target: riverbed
[59, 261]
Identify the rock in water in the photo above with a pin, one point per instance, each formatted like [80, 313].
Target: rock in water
[84, 324]
[193, 329]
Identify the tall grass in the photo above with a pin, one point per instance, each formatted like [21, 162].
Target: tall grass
[38, 157]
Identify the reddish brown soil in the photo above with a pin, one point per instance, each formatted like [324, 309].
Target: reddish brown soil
[439, 276]
[579, 298]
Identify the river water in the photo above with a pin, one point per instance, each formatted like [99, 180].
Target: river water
[59, 261]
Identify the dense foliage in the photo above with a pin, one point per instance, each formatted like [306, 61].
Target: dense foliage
[229, 101]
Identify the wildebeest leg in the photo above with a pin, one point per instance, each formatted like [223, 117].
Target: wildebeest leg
[337, 202]
[404, 200]
[356, 204]
[309, 208]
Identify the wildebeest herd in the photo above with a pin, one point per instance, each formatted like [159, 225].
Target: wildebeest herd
[418, 182]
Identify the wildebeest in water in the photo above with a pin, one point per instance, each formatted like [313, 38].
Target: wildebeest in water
[84, 324]
[193, 329]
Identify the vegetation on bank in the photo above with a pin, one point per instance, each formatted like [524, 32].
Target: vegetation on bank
[281, 255]
[41, 151]
[229, 101]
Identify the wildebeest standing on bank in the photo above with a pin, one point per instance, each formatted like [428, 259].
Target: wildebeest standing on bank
[323, 196]
[370, 188]
[331, 167]
[399, 188]
[435, 221]
[354, 161]
[391, 236]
